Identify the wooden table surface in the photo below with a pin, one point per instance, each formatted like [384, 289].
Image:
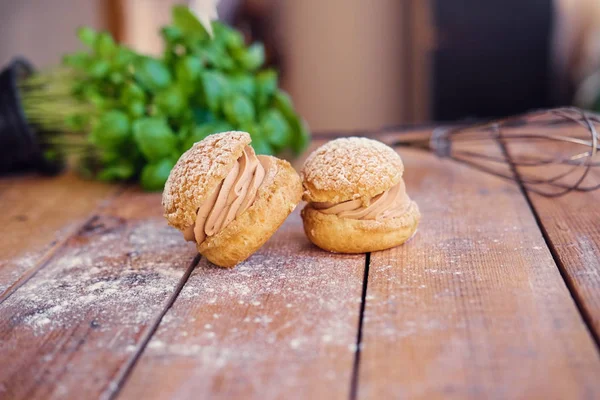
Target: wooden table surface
[497, 296]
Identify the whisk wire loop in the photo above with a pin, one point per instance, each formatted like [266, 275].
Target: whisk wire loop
[540, 134]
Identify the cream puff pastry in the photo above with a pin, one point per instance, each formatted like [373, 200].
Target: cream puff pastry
[227, 199]
[356, 197]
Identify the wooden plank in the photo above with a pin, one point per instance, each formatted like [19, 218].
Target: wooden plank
[571, 223]
[283, 324]
[74, 328]
[38, 214]
[474, 305]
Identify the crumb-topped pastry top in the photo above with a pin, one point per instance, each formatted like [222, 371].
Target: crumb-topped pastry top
[198, 173]
[350, 169]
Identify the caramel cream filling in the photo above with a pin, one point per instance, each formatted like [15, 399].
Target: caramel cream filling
[234, 195]
[389, 204]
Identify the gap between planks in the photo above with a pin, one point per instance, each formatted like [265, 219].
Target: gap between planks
[579, 303]
[356, 365]
[49, 254]
[117, 384]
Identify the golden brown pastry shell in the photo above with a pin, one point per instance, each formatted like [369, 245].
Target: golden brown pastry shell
[345, 235]
[276, 199]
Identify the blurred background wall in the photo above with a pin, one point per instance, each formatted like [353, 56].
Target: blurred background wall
[356, 54]
[356, 65]
[42, 30]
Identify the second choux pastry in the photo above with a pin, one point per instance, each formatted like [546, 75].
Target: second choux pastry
[356, 197]
[227, 199]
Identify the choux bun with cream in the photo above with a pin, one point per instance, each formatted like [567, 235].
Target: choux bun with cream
[356, 197]
[227, 199]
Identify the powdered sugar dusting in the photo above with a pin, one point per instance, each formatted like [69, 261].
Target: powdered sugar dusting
[12, 269]
[269, 290]
[290, 305]
[114, 277]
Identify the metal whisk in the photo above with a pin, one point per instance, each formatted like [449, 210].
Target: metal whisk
[549, 152]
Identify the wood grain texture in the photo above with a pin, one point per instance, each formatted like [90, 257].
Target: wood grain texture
[71, 329]
[283, 325]
[38, 214]
[474, 305]
[571, 222]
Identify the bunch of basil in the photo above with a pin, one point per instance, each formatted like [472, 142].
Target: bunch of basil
[147, 111]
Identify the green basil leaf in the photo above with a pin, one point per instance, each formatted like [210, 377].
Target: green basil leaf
[266, 85]
[215, 88]
[123, 57]
[218, 127]
[152, 74]
[111, 156]
[156, 174]
[275, 129]
[232, 38]
[171, 101]
[202, 116]
[102, 102]
[243, 83]
[132, 92]
[252, 57]
[261, 146]
[171, 34]
[188, 70]
[78, 60]
[283, 102]
[238, 109]
[122, 170]
[87, 36]
[98, 69]
[104, 45]
[217, 57]
[252, 128]
[116, 77]
[186, 21]
[183, 136]
[88, 91]
[154, 138]
[136, 109]
[301, 134]
[111, 130]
